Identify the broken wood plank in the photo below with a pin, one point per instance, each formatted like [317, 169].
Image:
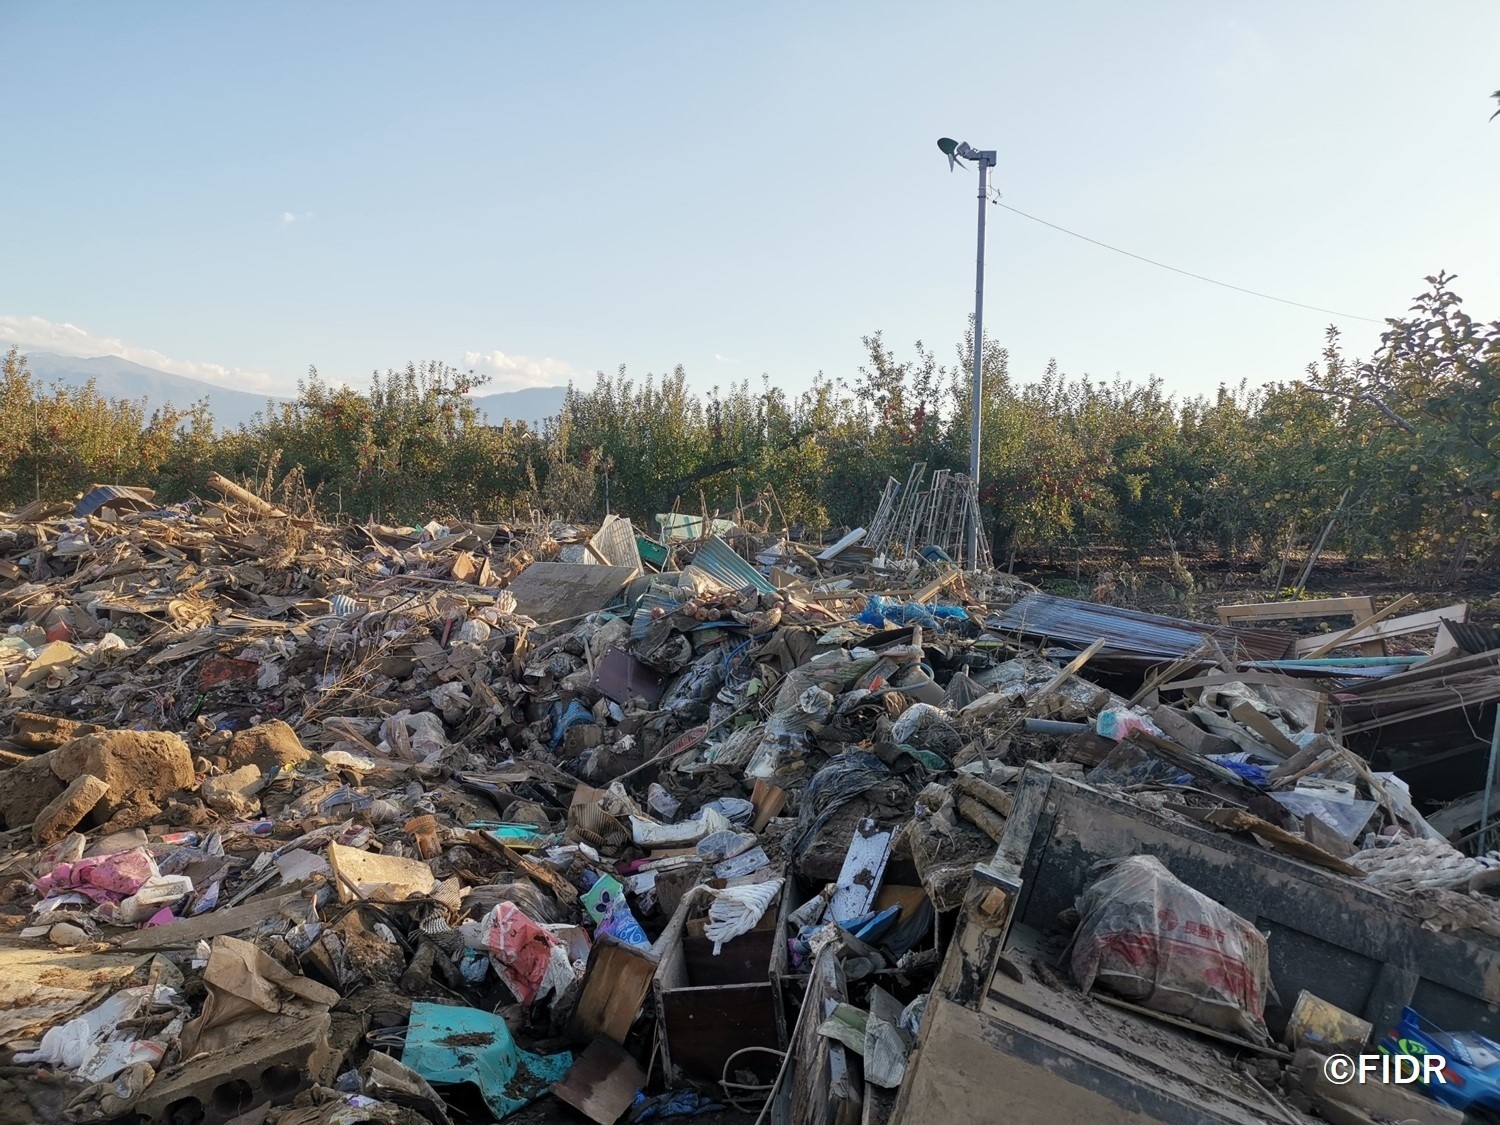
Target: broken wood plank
[1181, 729]
[864, 866]
[1176, 668]
[1238, 820]
[1399, 627]
[1250, 717]
[614, 990]
[1066, 671]
[560, 888]
[602, 1082]
[1346, 637]
[1295, 611]
[936, 586]
[768, 801]
[1188, 1025]
[187, 932]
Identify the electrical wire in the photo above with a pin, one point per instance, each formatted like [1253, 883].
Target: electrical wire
[1186, 273]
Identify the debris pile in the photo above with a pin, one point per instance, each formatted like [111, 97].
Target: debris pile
[325, 824]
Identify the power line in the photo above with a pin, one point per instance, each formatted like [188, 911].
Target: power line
[1188, 273]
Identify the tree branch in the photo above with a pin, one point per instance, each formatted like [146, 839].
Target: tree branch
[1366, 396]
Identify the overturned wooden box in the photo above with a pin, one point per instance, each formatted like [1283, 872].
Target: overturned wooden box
[709, 1008]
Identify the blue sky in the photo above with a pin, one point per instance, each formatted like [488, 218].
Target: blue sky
[538, 190]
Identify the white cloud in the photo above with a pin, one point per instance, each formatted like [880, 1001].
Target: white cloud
[514, 372]
[722, 358]
[68, 339]
[290, 217]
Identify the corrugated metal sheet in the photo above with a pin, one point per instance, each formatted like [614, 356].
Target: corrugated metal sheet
[1129, 633]
[615, 540]
[676, 526]
[118, 497]
[1473, 639]
[718, 560]
[666, 599]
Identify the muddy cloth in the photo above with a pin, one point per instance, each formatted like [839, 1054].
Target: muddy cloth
[789, 647]
[835, 785]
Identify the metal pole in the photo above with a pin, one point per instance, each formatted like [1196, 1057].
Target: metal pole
[978, 389]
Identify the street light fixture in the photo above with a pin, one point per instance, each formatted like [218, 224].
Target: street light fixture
[985, 159]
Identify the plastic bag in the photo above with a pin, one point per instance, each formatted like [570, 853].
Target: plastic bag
[1116, 723]
[520, 950]
[878, 611]
[928, 728]
[1345, 816]
[1154, 940]
[620, 924]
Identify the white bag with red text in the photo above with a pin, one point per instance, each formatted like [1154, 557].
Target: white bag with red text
[1151, 939]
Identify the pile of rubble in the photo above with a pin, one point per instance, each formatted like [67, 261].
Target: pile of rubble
[307, 824]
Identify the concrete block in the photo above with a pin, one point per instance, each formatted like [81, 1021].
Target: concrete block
[64, 813]
[293, 1054]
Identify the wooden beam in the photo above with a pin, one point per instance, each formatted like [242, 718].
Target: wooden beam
[1216, 679]
[936, 586]
[1296, 611]
[1176, 668]
[1346, 637]
[1068, 669]
[1400, 627]
[1400, 717]
[1245, 713]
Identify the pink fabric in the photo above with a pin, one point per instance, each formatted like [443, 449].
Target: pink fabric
[105, 878]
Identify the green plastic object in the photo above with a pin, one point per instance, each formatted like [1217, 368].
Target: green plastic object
[450, 1046]
[513, 835]
[652, 551]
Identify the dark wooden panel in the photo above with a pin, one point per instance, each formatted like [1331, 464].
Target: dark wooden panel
[745, 960]
[706, 1025]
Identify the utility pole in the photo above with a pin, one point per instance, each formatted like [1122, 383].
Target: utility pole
[985, 159]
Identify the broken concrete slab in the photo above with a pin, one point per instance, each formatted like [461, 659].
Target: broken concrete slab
[138, 765]
[364, 876]
[290, 1054]
[70, 806]
[45, 732]
[28, 788]
[552, 592]
[267, 747]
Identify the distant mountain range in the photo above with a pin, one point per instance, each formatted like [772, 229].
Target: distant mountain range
[121, 379]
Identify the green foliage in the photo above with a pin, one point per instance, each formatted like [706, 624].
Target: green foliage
[1406, 448]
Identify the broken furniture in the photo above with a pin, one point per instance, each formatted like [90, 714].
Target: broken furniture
[709, 1008]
